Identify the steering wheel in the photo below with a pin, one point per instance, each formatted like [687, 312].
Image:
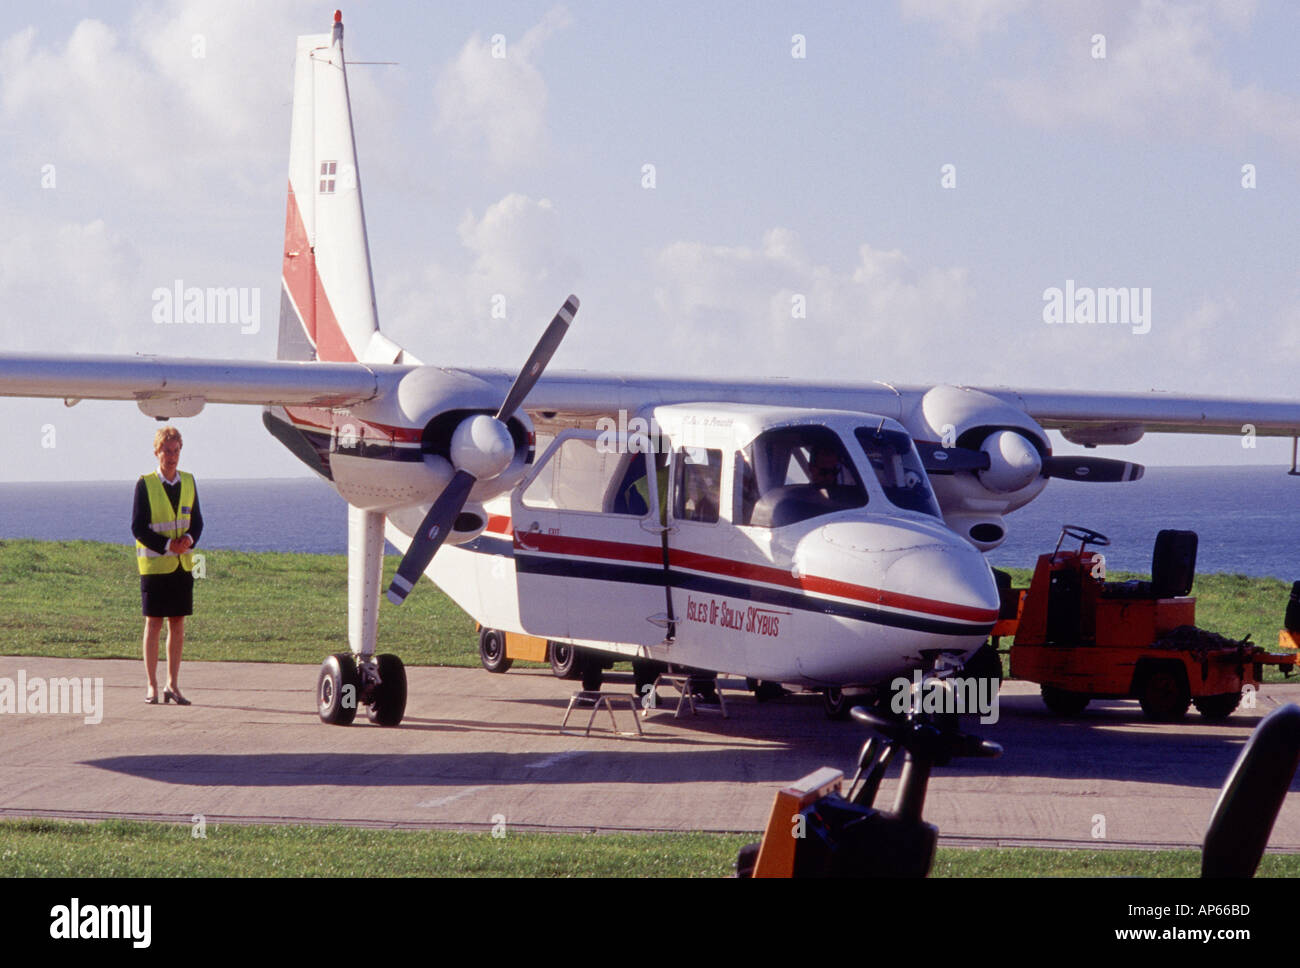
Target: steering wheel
[1086, 535]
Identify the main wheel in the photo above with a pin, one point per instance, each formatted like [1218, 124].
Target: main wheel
[388, 703]
[836, 704]
[644, 675]
[1165, 696]
[492, 650]
[337, 688]
[592, 676]
[566, 661]
[1063, 702]
[1217, 708]
[765, 690]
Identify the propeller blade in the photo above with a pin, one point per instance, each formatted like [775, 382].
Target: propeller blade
[947, 460]
[433, 531]
[541, 355]
[1102, 470]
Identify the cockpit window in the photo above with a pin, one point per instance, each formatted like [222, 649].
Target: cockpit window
[893, 457]
[794, 473]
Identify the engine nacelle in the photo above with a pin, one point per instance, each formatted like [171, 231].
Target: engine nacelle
[426, 426]
[974, 501]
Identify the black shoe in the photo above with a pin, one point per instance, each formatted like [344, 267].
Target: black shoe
[169, 696]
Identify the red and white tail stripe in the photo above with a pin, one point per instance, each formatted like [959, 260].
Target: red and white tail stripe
[327, 311]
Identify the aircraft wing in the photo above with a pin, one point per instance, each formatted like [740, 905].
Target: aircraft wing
[1155, 411]
[1091, 416]
[165, 379]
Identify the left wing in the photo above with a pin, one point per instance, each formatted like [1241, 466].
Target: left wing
[172, 386]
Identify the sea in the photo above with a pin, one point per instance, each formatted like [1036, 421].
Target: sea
[1248, 518]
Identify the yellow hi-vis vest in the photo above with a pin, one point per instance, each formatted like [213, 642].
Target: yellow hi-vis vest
[167, 521]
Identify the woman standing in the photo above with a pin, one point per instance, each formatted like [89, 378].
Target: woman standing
[166, 523]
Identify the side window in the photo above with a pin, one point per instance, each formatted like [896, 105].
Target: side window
[791, 474]
[697, 484]
[580, 476]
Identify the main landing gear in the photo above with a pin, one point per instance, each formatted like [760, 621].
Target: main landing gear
[347, 681]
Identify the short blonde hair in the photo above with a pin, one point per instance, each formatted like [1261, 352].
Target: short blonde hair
[165, 434]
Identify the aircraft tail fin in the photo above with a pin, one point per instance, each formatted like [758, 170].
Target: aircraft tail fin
[327, 298]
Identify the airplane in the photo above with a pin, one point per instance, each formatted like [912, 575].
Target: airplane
[828, 535]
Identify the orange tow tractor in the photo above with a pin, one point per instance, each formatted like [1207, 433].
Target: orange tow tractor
[1083, 638]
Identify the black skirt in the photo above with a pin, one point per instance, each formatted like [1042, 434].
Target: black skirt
[166, 596]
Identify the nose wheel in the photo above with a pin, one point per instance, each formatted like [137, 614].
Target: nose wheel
[347, 681]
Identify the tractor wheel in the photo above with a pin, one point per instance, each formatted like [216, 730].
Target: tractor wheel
[1064, 703]
[1217, 708]
[492, 650]
[1165, 696]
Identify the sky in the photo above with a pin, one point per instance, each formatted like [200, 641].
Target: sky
[916, 175]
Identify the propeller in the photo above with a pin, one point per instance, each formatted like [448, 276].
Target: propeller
[1007, 461]
[1102, 470]
[481, 448]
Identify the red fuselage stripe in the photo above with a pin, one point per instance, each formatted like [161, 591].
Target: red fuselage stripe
[651, 554]
[317, 418]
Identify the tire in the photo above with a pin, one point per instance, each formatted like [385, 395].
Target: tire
[388, 704]
[1063, 702]
[566, 660]
[747, 859]
[1165, 696]
[836, 704]
[337, 690]
[984, 663]
[765, 690]
[644, 674]
[492, 650]
[1217, 708]
[592, 676]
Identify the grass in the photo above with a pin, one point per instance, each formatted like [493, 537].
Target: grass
[120, 848]
[249, 607]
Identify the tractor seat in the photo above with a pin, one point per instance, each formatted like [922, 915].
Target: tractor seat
[1173, 569]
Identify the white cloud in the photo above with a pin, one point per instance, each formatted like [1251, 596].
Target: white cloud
[1162, 75]
[140, 103]
[497, 104]
[517, 265]
[963, 21]
[736, 304]
[70, 286]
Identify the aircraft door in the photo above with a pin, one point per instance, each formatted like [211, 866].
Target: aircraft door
[588, 542]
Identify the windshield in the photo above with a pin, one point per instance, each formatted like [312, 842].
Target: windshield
[794, 473]
[898, 468]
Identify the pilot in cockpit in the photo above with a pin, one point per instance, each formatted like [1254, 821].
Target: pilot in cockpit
[825, 469]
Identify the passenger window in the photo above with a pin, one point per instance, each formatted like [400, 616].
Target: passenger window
[580, 476]
[697, 484]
